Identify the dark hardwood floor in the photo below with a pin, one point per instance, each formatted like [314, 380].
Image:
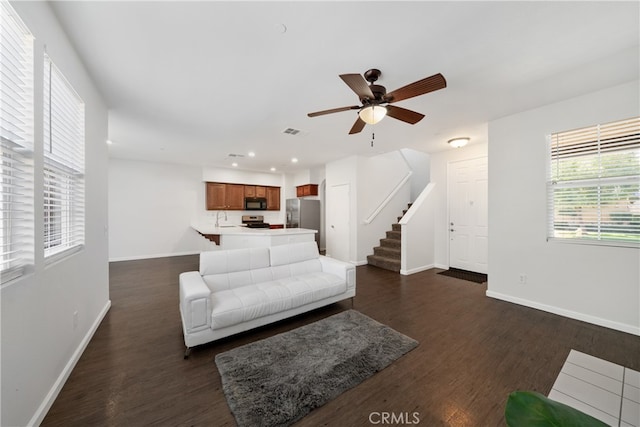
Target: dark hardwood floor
[473, 351]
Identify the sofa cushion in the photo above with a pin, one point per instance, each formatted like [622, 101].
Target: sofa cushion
[242, 304]
[293, 253]
[295, 259]
[222, 270]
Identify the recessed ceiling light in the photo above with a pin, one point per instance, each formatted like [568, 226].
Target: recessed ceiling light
[234, 164]
[109, 142]
[273, 169]
[252, 154]
[294, 160]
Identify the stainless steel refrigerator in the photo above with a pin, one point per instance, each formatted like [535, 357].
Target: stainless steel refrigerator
[303, 213]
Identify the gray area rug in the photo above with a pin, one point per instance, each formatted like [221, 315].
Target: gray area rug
[278, 380]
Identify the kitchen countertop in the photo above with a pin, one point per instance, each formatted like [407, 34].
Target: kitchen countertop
[238, 230]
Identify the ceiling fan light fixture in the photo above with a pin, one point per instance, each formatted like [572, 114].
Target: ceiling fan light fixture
[372, 114]
[458, 142]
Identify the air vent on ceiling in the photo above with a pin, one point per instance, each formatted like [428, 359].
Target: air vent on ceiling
[291, 131]
[235, 155]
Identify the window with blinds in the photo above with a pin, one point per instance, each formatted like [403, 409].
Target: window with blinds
[63, 164]
[594, 184]
[16, 144]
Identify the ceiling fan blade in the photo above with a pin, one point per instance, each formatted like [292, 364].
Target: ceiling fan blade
[358, 84]
[403, 114]
[333, 110]
[420, 87]
[357, 126]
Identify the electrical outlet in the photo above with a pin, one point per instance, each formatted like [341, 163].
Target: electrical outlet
[523, 278]
[75, 320]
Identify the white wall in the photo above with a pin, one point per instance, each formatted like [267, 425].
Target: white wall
[378, 177]
[439, 170]
[420, 164]
[371, 180]
[238, 176]
[343, 172]
[417, 249]
[596, 284]
[152, 206]
[40, 344]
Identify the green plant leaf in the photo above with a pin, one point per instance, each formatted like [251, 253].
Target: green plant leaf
[531, 409]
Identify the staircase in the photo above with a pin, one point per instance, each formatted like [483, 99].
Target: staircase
[387, 255]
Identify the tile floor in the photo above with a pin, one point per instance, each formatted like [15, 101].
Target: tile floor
[604, 390]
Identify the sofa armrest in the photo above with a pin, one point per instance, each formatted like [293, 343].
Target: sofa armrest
[195, 302]
[344, 270]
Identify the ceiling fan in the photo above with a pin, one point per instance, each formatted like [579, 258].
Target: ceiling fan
[376, 102]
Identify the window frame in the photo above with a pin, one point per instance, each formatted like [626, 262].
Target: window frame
[598, 184]
[64, 163]
[16, 146]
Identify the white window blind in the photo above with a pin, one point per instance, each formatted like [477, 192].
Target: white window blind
[63, 164]
[594, 183]
[16, 144]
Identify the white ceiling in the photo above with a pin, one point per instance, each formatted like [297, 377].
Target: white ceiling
[192, 82]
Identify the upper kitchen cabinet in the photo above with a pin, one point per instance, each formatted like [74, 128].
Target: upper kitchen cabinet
[216, 196]
[307, 190]
[222, 196]
[273, 198]
[235, 196]
[255, 191]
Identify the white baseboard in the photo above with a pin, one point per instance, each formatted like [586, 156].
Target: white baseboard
[441, 266]
[37, 418]
[359, 263]
[416, 270]
[139, 257]
[630, 329]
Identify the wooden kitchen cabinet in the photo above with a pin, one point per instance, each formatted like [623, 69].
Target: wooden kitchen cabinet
[222, 196]
[307, 190]
[273, 198]
[216, 196]
[235, 197]
[255, 191]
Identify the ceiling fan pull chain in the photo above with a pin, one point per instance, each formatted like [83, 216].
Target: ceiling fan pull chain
[373, 136]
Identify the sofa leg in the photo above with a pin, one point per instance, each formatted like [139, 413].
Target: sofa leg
[187, 352]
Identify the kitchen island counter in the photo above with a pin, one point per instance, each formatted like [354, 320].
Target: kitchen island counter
[238, 237]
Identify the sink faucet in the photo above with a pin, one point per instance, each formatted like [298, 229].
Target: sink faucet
[218, 215]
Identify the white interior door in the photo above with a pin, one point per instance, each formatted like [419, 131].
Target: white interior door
[338, 244]
[468, 215]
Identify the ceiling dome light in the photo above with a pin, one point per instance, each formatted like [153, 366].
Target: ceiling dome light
[458, 142]
[372, 114]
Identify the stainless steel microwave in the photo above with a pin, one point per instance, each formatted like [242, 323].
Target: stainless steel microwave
[255, 204]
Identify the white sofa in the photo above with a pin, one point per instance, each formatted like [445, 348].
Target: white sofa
[240, 289]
